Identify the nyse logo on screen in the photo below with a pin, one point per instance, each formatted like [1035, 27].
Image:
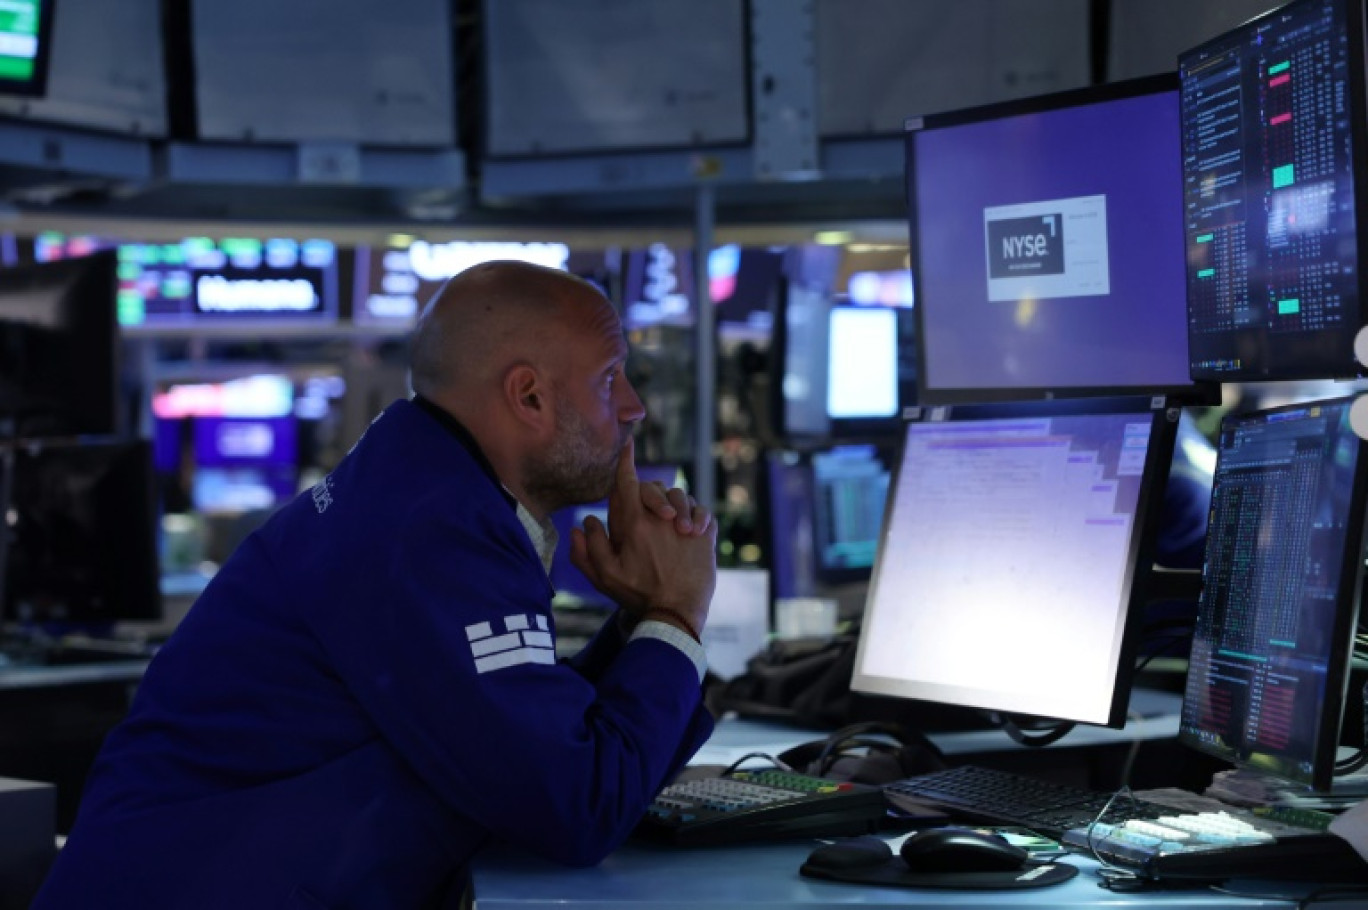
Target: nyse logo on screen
[1026, 246]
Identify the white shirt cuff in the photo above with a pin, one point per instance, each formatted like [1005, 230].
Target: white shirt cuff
[663, 631]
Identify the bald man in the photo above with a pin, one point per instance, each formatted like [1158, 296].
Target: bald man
[368, 691]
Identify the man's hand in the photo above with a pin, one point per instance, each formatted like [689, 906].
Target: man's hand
[673, 504]
[661, 552]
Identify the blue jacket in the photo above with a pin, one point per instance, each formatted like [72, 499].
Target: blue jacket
[365, 694]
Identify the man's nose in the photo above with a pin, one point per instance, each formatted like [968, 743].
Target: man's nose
[630, 408]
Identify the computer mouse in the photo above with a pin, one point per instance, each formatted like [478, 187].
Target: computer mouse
[954, 849]
[851, 853]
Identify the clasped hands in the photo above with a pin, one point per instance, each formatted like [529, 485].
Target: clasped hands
[657, 556]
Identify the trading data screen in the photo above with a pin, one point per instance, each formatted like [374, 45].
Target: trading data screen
[1266, 675]
[1008, 557]
[851, 486]
[1268, 149]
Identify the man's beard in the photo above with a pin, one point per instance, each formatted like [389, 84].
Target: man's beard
[574, 470]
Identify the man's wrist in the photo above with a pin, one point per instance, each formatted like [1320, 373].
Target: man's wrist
[675, 618]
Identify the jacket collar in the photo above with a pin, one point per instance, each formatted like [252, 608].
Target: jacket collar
[467, 441]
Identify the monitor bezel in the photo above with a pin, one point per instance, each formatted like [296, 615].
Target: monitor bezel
[70, 403]
[1358, 137]
[1347, 607]
[1164, 417]
[929, 395]
[35, 87]
[830, 430]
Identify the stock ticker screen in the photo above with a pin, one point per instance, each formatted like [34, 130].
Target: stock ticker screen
[1269, 142]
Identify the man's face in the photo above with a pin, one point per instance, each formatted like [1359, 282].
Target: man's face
[595, 409]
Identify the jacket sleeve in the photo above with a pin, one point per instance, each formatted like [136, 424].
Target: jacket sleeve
[600, 651]
[455, 665]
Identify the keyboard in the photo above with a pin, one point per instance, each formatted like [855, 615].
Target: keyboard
[1220, 845]
[1150, 839]
[761, 805]
[987, 795]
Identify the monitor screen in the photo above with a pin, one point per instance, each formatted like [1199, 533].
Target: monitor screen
[83, 535]
[25, 47]
[200, 281]
[1047, 246]
[573, 589]
[59, 354]
[844, 370]
[1268, 670]
[850, 488]
[1010, 566]
[1273, 123]
[862, 363]
[823, 514]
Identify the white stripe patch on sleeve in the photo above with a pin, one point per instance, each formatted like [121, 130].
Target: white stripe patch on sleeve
[518, 643]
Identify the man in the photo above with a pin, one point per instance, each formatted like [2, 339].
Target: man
[367, 692]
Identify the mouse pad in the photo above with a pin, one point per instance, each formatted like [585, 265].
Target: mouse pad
[842, 862]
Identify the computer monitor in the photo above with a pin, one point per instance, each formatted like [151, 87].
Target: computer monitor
[573, 589]
[823, 510]
[841, 370]
[59, 364]
[1268, 672]
[1273, 124]
[1014, 557]
[25, 47]
[850, 490]
[83, 536]
[1047, 247]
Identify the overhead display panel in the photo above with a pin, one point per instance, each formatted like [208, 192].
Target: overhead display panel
[104, 69]
[334, 71]
[598, 75]
[201, 281]
[881, 61]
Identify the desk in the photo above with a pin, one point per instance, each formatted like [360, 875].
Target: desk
[21, 676]
[765, 877]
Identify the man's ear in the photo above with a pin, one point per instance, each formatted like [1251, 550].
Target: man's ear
[526, 396]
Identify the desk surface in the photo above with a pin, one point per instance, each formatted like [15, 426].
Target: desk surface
[766, 876]
[19, 676]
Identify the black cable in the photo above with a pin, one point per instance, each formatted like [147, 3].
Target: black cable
[1128, 766]
[730, 769]
[1352, 763]
[1053, 734]
[857, 736]
[1114, 877]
